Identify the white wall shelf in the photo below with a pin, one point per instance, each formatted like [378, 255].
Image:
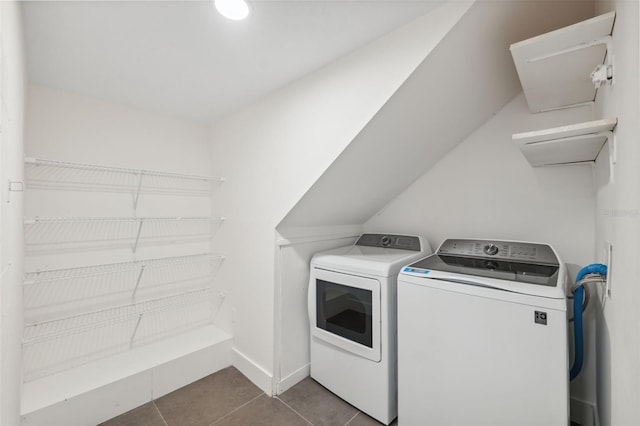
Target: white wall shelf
[98, 311]
[69, 232]
[50, 293]
[51, 174]
[54, 345]
[555, 68]
[574, 143]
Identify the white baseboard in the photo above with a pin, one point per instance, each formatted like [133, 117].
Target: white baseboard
[98, 391]
[583, 413]
[293, 378]
[254, 372]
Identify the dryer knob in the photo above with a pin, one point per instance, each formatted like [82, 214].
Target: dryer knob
[386, 241]
[491, 249]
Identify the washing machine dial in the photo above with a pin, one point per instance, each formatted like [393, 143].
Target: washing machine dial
[386, 241]
[491, 249]
[491, 265]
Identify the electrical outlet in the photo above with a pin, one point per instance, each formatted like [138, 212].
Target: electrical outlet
[608, 258]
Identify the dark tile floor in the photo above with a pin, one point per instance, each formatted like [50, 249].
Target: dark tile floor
[229, 398]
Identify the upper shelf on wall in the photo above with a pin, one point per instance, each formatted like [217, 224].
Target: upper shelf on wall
[63, 174]
[555, 68]
[575, 143]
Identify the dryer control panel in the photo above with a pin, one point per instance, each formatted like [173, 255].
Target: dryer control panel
[513, 251]
[404, 242]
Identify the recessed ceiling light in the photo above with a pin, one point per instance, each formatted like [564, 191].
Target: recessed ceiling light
[232, 9]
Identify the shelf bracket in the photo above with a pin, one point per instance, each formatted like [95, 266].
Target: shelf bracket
[135, 289]
[135, 244]
[6, 268]
[613, 154]
[137, 196]
[602, 75]
[14, 186]
[135, 331]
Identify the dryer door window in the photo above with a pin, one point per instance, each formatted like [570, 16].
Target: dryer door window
[345, 311]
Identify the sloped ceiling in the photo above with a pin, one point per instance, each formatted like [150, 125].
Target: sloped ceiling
[461, 84]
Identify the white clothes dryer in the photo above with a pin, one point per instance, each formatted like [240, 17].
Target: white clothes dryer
[482, 336]
[352, 313]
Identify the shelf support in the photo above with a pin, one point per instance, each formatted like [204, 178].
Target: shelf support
[613, 155]
[135, 244]
[14, 186]
[135, 289]
[137, 196]
[135, 331]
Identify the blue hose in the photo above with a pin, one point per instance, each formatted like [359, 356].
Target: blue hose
[578, 297]
[594, 268]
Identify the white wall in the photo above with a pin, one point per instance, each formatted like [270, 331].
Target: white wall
[66, 126]
[618, 222]
[274, 150]
[12, 95]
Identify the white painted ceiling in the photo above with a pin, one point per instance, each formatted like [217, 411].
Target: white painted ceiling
[182, 59]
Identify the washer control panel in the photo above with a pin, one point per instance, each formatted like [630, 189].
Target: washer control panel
[404, 242]
[505, 250]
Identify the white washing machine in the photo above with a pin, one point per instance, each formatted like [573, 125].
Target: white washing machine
[482, 336]
[352, 312]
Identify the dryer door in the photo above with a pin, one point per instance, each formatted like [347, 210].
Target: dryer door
[344, 310]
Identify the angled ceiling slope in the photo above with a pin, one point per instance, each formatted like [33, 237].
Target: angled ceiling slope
[460, 85]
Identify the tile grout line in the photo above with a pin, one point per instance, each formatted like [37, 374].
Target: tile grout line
[235, 409]
[293, 409]
[351, 419]
[153, 401]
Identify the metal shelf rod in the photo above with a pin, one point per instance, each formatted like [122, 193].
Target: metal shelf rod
[53, 220]
[101, 168]
[137, 197]
[179, 300]
[135, 330]
[135, 244]
[135, 289]
[38, 277]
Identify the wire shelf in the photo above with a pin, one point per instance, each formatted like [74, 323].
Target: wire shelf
[60, 232]
[56, 345]
[50, 174]
[77, 315]
[49, 292]
[75, 220]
